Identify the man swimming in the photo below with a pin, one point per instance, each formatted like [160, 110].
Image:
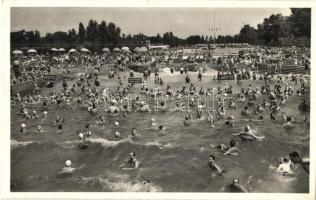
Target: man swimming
[213, 166]
[131, 162]
[232, 150]
[248, 134]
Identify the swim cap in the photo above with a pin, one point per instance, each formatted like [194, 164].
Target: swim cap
[68, 163]
[45, 112]
[117, 134]
[247, 128]
[80, 135]
[153, 119]
[23, 125]
[116, 123]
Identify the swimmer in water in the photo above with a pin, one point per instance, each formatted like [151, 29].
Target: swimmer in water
[199, 112]
[213, 166]
[210, 120]
[23, 129]
[248, 134]
[131, 162]
[245, 112]
[134, 135]
[230, 121]
[187, 121]
[67, 170]
[232, 104]
[296, 159]
[40, 129]
[117, 134]
[284, 167]
[236, 187]
[232, 150]
[153, 122]
[59, 128]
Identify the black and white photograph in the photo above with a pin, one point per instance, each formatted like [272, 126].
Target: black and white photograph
[160, 99]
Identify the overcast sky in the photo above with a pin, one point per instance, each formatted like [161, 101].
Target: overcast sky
[150, 21]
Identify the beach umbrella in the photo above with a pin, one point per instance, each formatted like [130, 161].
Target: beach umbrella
[116, 49]
[84, 50]
[72, 50]
[143, 49]
[16, 52]
[61, 49]
[125, 49]
[54, 49]
[32, 51]
[106, 50]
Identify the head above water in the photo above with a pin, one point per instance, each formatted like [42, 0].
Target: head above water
[212, 157]
[295, 157]
[232, 143]
[236, 181]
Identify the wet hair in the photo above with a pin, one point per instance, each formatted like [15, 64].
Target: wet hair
[232, 143]
[160, 127]
[162, 103]
[60, 126]
[212, 156]
[294, 154]
[246, 107]
[260, 117]
[87, 125]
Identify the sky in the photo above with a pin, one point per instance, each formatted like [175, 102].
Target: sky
[150, 21]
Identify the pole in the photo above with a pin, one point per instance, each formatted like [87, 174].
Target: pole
[214, 27]
[213, 99]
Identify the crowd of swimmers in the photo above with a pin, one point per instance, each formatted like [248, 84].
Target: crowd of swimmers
[86, 92]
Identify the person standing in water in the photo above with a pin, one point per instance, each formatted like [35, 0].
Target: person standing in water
[213, 166]
[131, 162]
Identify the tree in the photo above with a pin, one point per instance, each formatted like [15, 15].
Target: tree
[72, 36]
[92, 30]
[81, 33]
[301, 22]
[248, 34]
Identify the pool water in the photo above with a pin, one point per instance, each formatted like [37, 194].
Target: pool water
[174, 160]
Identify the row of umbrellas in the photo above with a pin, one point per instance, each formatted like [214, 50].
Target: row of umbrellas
[123, 49]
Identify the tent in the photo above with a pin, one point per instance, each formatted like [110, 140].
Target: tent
[16, 52]
[84, 50]
[54, 49]
[106, 50]
[116, 49]
[72, 50]
[61, 49]
[32, 51]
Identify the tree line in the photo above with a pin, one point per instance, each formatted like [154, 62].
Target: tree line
[274, 30]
